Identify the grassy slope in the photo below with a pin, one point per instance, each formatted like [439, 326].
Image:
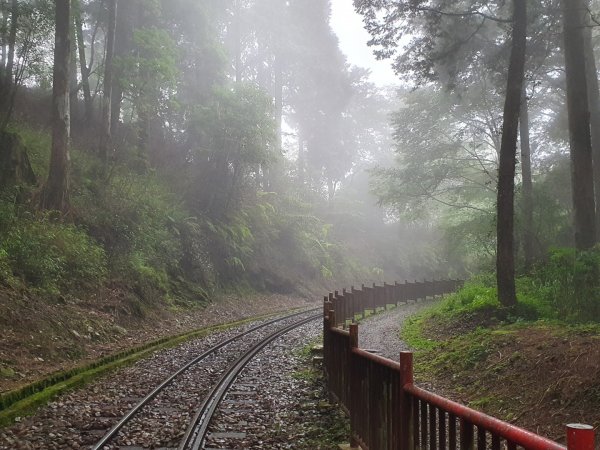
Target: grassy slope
[537, 373]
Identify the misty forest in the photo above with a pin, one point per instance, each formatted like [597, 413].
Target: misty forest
[167, 166]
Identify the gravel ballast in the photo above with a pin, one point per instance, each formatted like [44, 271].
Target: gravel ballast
[278, 402]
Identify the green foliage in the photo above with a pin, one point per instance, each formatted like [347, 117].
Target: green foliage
[6, 275]
[569, 284]
[149, 75]
[37, 142]
[477, 294]
[48, 255]
[565, 289]
[135, 217]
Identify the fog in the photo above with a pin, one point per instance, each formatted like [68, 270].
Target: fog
[275, 144]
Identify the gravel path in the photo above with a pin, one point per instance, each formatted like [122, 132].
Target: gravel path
[381, 332]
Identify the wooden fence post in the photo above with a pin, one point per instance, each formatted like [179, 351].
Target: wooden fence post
[580, 437]
[407, 437]
[353, 389]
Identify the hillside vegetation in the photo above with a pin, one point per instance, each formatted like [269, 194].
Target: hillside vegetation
[535, 365]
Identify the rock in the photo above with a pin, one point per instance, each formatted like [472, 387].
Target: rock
[7, 372]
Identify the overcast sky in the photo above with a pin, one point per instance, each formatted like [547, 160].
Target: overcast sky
[353, 42]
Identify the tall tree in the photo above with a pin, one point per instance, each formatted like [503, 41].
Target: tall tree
[84, 69]
[105, 132]
[123, 43]
[6, 84]
[3, 38]
[527, 182]
[505, 253]
[12, 41]
[579, 124]
[594, 105]
[55, 193]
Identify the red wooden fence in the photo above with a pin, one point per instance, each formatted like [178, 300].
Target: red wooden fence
[387, 411]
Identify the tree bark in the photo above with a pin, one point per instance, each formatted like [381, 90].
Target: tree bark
[105, 136]
[527, 207]
[55, 193]
[83, 67]
[12, 40]
[123, 39]
[238, 40]
[3, 39]
[73, 84]
[594, 106]
[505, 256]
[582, 179]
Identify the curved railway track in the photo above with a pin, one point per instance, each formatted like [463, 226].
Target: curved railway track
[196, 431]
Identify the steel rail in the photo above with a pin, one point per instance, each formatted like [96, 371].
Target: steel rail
[196, 432]
[110, 434]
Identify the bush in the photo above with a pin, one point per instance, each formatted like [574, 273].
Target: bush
[569, 283]
[50, 255]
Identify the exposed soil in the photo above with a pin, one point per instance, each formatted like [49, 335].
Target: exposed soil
[39, 336]
[539, 377]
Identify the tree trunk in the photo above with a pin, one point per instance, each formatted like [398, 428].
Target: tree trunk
[579, 125]
[83, 67]
[594, 105]
[505, 257]
[527, 210]
[123, 39]
[12, 40]
[3, 38]
[73, 84]
[8, 66]
[55, 193]
[105, 133]
[238, 40]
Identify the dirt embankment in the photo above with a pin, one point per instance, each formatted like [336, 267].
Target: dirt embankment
[39, 336]
[539, 377]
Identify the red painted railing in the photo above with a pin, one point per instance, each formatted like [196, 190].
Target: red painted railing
[387, 411]
[354, 303]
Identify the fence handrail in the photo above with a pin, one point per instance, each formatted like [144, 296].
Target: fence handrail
[387, 410]
[376, 358]
[512, 433]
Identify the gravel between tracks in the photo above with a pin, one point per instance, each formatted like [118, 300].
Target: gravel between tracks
[80, 418]
[288, 408]
[275, 403]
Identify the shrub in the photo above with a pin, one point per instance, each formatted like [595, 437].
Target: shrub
[570, 284]
[49, 255]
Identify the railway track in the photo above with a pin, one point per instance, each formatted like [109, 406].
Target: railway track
[220, 380]
[196, 432]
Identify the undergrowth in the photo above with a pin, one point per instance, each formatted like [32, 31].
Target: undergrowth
[562, 294]
[134, 228]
